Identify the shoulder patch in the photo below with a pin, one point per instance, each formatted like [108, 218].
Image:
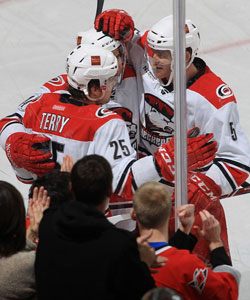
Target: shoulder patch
[103, 113]
[210, 86]
[199, 279]
[57, 83]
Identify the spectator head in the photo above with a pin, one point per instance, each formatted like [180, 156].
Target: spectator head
[151, 205]
[57, 184]
[91, 179]
[12, 220]
[162, 293]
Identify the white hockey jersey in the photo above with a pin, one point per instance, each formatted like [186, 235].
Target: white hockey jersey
[211, 106]
[124, 100]
[128, 174]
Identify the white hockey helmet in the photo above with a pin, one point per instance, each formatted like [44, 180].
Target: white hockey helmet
[99, 39]
[93, 37]
[161, 36]
[88, 62]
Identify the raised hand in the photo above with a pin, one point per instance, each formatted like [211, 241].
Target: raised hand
[210, 230]
[37, 204]
[186, 216]
[116, 23]
[67, 164]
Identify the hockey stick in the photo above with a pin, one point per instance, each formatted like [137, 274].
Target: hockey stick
[99, 7]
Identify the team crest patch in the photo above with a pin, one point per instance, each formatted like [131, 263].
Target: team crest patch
[199, 279]
[102, 113]
[223, 91]
[95, 60]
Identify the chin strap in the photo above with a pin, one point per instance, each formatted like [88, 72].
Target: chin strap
[169, 80]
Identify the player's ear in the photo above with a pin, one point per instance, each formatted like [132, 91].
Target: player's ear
[133, 214]
[188, 56]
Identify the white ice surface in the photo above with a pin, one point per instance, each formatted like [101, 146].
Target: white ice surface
[36, 36]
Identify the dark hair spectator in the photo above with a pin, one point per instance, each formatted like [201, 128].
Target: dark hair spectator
[57, 185]
[91, 179]
[12, 220]
[17, 255]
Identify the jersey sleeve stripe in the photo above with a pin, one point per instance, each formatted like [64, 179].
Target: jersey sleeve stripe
[124, 174]
[8, 124]
[167, 182]
[14, 115]
[134, 185]
[25, 180]
[113, 206]
[233, 186]
[232, 162]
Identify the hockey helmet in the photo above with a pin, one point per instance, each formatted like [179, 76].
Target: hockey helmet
[88, 62]
[161, 36]
[93, 37]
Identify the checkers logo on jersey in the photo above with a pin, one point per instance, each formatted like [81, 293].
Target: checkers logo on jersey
[95, 60]
[199, 279]
[102, 113]
[223, 91]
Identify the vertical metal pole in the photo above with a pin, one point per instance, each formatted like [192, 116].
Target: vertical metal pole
[180, 105]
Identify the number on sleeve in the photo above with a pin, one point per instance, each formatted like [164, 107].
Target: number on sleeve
[233, 131]
[120, 149]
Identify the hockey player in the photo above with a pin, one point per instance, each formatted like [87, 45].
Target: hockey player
[72, 122]
[124, 97]
[184, 272]
[211, 104]
[123, 100]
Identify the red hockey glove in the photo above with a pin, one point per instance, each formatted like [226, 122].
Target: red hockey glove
[29, 151]
[200, 151]
[204, 193]
[116, 23]
[202, 190]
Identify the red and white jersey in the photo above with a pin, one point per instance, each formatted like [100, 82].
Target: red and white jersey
[211, 106]
[128, 175]
[189, 276]
[124, 100]
[77, 129]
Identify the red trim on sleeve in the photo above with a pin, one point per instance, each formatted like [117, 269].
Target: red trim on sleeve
[238, 175]
[210, 86]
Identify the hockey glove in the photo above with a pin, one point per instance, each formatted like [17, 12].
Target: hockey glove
[202, 190]
[29, 151]
[116, 23]
[200, 151]
[204, 193]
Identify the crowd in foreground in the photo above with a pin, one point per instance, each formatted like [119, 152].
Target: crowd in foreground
[70, 250]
